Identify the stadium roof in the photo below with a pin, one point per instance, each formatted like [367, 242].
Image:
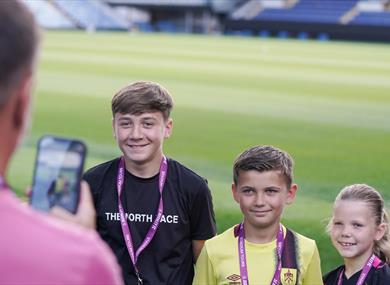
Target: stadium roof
[192, 3]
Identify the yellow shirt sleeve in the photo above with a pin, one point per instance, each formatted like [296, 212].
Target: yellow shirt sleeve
[204, 271]
[313, 274]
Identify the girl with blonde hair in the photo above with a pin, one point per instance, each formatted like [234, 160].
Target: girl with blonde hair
[360, 233]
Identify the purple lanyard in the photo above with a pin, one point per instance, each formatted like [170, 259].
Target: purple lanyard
[3, 185]
[242, 255]
[367, 267]
[153, 228]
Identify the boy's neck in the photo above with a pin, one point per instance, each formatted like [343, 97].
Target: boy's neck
[260, 235]
[145, 170]
[353, 265]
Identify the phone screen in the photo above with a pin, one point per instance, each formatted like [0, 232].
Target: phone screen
[58, 168]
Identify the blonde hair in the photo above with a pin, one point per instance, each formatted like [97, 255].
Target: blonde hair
[374, 200]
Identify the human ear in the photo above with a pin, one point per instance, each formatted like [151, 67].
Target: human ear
[380, 231]
[113, 127]
[291, 193]
[168, 127]
[234, 193]
[22, 103]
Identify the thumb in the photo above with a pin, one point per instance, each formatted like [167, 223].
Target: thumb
[85, 215]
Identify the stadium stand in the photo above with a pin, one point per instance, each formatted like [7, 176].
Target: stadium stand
[218, 6]
[173, 16]
[373, 13]
[367, 20]
[304, 19]
[372, 18]
[161, 2]
[364, 12]
[49, 16]
[324, 11]
[91, 15]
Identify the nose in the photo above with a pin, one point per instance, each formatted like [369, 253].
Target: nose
[259, 199]
[345, 232]
[136, 132]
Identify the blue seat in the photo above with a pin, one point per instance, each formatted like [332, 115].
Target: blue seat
[320, 11]
[90, 15]
[372, 18]
[48, 16]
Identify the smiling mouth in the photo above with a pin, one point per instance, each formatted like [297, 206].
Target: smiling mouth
[260, 213]
[346, 244]
[137, 146]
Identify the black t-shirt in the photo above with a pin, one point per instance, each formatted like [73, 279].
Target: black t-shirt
[188, 215]
[376, 276]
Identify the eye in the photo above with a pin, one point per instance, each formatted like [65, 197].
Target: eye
[124, 123]
[337, 224]
[248, 191]
[357, 225]
[271, 191]
[148, 124]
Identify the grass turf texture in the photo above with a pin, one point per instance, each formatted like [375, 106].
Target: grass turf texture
[326, 103]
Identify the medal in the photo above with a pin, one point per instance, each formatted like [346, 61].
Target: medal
[139, 280]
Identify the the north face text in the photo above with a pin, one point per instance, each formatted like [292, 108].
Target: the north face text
[142, 218]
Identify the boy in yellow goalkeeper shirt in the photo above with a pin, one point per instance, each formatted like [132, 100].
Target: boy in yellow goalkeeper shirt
[260, 250]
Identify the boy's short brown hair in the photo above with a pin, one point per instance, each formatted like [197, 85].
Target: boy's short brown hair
[141, 97]
[264, 158]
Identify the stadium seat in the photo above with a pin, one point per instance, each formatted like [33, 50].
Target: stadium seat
[91, 14]
[48, 15]
[319, 11]
[372, 18]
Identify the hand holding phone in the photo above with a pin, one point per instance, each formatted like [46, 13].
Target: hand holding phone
[58, 168]
[86, 214]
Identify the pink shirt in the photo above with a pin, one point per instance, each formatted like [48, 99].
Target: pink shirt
[38, 249]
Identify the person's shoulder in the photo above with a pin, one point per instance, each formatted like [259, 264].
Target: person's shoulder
[221, 240]
[99, 169]
[85, 246]
[182, 171]
[382, 274]
[305, 246]
[64, 231]
[59, 243]
[331, 277]
[76, 240]
[304, 240]
[73, 239]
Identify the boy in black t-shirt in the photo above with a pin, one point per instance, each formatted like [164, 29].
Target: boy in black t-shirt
[158, 226]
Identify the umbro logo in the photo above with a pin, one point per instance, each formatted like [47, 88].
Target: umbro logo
[234, 279]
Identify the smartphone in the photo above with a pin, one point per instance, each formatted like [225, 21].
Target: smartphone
[58, 168]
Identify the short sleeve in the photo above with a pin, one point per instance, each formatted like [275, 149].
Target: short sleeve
[93, 185]
[204, 271]
[202, 214]
[313, 274]
[100, 177]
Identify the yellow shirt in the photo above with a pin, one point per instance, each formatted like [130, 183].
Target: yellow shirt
[218, 262]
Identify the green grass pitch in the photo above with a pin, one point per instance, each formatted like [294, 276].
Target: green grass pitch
[326, 103]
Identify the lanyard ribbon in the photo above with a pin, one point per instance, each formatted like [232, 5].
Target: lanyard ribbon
[3, 185]
[242, 255]
[153, 228]
[373, 260]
